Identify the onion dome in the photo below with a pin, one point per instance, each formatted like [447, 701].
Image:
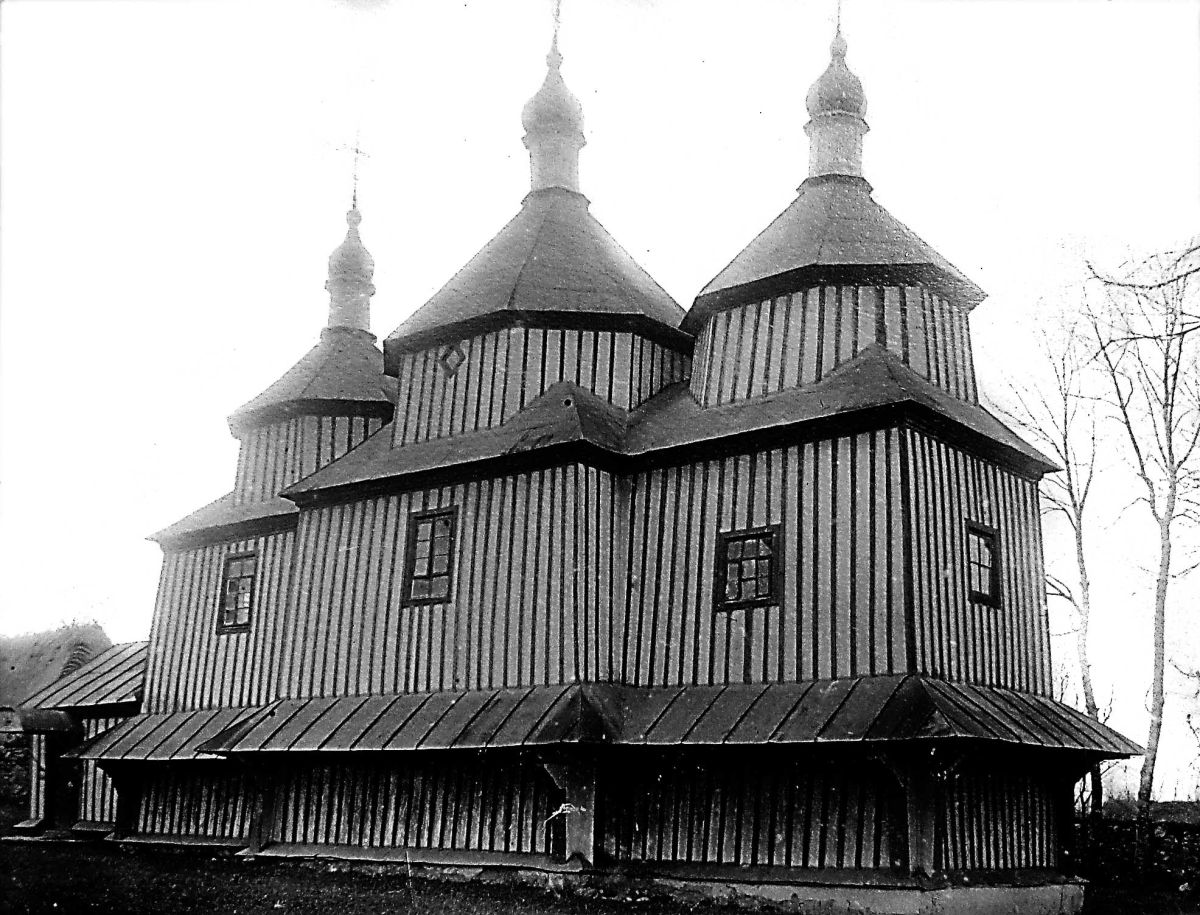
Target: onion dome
[343, 374]
[836, 104]
[837, 91]
[350, 270]
[553, 122]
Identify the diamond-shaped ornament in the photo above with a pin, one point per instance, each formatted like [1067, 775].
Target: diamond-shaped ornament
[451, 358]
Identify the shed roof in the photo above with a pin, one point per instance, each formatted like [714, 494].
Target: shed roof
[116, 676]
[884, 709]
[343, 372]
[834, 224]
[553, 258]
[226, 516]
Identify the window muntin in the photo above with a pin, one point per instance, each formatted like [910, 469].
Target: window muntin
[237, 592]
[429, 561]
[748, 568]
[983, 564]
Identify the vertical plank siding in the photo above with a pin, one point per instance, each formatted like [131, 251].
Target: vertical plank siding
[994, 820]
[842, 609]
[420, 802]
[534, 586]
[273, 457]
[97, 797]
[799, 811]
[795, 340]
[192, 666]
[959, 639]
[503, 371]
[37, 776]
[207, 800]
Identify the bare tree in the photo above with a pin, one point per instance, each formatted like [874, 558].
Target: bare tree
[1148, 338]
[1058, 414]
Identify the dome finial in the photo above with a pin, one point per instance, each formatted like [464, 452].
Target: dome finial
[837, 108]
[553, 122]
[351, 269]
[554, 58]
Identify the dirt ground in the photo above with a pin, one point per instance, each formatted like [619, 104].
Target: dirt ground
[88, 878]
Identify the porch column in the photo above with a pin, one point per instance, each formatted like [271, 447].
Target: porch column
[128, 786]
[265, 809]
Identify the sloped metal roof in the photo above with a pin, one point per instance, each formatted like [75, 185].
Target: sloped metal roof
[226, 513]
[567, 414]
[170, 737]
[833, 223]
[554, 257]
[345, 367]
[883, 709]
[116, 676]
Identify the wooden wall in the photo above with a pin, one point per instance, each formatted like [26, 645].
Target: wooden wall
[97, 797]
[535, 578]
[207, 799]
[996, 820]
[794, 340]
[192, 666]
[273, 457]
[842, 613]
[507, 369]
[1006, 645]
[790, 810]
[468, 802]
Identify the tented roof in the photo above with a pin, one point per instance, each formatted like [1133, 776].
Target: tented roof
[553, 258]
[834, 228]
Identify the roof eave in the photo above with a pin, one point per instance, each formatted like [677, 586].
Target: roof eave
[957, 288]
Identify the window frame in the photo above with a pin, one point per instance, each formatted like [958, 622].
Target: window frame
[990, 536]
[224, 628]
[410, 557]
[721, 576]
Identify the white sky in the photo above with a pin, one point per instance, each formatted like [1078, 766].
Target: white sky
[173, 176]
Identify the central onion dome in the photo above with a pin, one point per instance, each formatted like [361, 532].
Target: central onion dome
[554, 108]
[837, 90]
[553, 122]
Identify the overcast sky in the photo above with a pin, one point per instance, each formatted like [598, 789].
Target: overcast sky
[173, 176]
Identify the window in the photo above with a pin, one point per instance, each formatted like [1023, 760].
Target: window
[983, 564]
[428, 564]
[747, 568]
[237, 593]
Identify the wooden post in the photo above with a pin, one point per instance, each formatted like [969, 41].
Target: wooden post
[577, 780]
[129, 801]
[262, 817]
[916, 774]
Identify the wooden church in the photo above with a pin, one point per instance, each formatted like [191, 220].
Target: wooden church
[569, 580]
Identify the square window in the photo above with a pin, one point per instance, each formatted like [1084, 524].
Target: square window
[983, 564]
[429, 557]
[748, 574]
[237, 593]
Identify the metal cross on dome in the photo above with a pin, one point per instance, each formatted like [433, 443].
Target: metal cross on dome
[359, 153]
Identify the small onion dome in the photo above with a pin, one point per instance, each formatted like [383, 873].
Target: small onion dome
[351, 264]
[837, 90]
[553, 109]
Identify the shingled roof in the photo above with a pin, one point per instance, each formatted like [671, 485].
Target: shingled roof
[343, 372]
[553, 261]
[567, 416]
[32, 662]
[834, 231]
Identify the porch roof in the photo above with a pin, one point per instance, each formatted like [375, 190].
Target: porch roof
[884, 709]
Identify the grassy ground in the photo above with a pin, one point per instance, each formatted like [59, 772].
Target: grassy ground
[89, 878]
